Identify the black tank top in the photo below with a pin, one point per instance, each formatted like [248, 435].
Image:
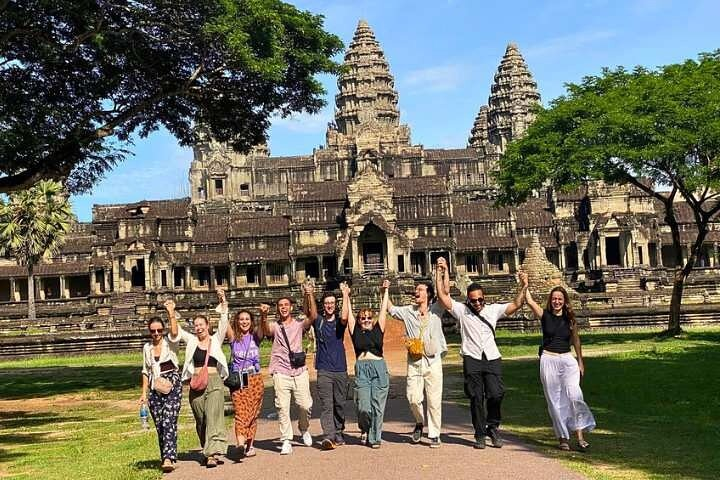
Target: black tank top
[556, 332]
[368, 340]
[199, 359]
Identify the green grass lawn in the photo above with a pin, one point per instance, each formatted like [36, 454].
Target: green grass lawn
[656, 402]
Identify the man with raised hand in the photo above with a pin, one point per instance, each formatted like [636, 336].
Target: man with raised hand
[426, 347]
[482, 369]
[288, 370]
[330, 363]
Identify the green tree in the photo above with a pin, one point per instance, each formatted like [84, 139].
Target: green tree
[79, 77]
[33, 224]
[626, 126]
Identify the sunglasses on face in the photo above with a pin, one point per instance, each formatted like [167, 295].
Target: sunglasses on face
[156, 330]
[365, 318]
[479, 301]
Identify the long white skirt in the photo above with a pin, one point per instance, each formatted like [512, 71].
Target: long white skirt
[560, 377]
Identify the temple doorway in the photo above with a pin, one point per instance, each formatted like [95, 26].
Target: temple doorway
[137, 274]
[373, 249]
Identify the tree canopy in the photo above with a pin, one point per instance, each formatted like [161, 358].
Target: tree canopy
[628, 127]
[79, 78]
[33, 224]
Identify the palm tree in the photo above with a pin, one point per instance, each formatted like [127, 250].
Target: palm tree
[33, 225]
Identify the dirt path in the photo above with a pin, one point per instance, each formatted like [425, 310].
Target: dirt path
[396, 459]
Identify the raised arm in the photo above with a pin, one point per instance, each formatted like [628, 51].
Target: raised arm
[170, 308]
[442, 284]
[346, 315]
[309, 305]
[520, 296]
[536, 309]
[385, 305]
[264, 324]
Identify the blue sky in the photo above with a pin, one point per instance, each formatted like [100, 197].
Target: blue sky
[443, 54]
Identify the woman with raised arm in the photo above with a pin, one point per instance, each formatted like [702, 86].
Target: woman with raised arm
[560, 372]
[371, 374]
[161, 388]
[206, 368]
[245, 337]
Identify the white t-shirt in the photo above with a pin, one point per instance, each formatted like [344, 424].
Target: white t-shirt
[475, 336]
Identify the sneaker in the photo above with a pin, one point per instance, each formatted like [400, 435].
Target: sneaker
[479, 443]
[250, 452]
[434, 442]
[375, 446]
[327, 444]
[363, 438]
[417, 433]
[211, 462]
[286, 448]
[495, 437]
[307, 439]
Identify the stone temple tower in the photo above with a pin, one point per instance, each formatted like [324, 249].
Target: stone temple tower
[367, 118]
[512, 96]
[509, 111]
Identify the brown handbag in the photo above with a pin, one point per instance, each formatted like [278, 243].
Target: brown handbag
[199, 380]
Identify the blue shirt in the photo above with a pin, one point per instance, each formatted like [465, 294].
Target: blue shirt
[330, 354]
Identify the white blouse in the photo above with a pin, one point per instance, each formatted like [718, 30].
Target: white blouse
[191, 342]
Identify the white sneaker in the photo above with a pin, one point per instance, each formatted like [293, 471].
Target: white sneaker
[307, 439]
[286, 448]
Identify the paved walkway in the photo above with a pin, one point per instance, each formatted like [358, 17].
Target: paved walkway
[397, 459]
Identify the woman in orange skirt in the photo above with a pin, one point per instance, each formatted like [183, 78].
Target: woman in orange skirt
[245, 338]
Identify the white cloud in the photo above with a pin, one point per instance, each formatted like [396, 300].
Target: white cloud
[440, 78]
[304, 122]
[568, 43]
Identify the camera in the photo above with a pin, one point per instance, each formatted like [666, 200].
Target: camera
[245, 379]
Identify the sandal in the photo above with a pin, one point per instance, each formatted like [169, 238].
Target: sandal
[564, 446]
[168, 466]
[583, 445]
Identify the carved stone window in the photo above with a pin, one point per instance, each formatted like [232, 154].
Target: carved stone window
[218, 186]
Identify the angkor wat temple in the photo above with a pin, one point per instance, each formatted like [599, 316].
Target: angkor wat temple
[369, 202]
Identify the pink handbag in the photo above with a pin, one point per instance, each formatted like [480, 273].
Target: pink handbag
[199, 380]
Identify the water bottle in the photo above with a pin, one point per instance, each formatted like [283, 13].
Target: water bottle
[144, 417]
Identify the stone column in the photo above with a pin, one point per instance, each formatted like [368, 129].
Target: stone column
[293, 270]
[485, 269]
[118, 281]
[321, 273]
[428, 263]
[713, 259]
[603, 259]
[63, 292]
[13, 296]
[392, 256]
[516, 258]
[40, 291]
[232, 281]
[213, 283]
[263, 273]
[149, 283]
[188, 277]
[106, 279]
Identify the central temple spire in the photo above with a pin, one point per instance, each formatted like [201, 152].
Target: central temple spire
[367, 102]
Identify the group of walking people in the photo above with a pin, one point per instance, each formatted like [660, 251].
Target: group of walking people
[208, 371]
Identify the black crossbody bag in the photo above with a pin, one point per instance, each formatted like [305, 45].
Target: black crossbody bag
[482, 319]
[297, 359]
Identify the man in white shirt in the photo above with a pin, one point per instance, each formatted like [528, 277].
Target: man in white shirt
[424, 371]
[482, 367]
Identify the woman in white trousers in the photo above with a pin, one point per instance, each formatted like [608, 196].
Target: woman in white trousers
[560, 371]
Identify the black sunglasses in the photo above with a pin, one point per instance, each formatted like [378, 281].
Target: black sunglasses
[480, 301]
[365, 318]
[157, 330]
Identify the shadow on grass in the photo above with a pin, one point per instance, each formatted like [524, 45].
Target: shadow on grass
[45, 382]
[656, 411]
